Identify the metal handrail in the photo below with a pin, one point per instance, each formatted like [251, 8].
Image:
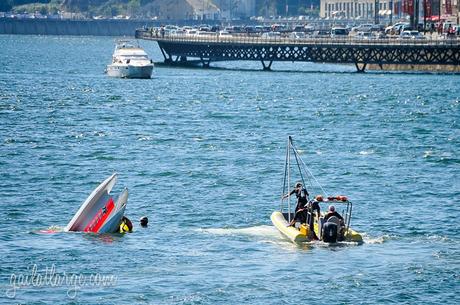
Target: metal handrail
[248, 39]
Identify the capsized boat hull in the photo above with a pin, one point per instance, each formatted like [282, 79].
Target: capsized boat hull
[99, 213]
[112, 225]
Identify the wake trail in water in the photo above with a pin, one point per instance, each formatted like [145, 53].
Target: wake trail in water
[270, 234]
[257, 231]
[263, 233]
[375, 240]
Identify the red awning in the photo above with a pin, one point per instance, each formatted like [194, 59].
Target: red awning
[436, 17]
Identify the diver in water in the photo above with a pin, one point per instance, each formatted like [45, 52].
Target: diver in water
[126, 226]
[144, 221]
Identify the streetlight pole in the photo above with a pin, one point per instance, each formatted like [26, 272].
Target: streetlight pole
[391, 12]
[412, 13]
[440, 4]
[458, 13]
[376, 11]
[424, 16]
[287, 8]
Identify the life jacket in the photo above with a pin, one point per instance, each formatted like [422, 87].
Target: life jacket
[126, 226]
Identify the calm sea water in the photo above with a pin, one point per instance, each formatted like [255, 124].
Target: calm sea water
[202, 152]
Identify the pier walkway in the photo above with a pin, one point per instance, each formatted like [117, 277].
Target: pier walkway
[182, 49]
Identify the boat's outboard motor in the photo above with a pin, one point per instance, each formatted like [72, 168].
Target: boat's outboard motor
[329, 232]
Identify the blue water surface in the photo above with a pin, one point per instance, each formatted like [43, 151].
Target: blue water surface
[202, 154]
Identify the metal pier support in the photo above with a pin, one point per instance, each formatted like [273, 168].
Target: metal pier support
[382, 52]
[267, 67]
[360, 67]
[205, 62]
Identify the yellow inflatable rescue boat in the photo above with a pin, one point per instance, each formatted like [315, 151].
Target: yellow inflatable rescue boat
[305, 222]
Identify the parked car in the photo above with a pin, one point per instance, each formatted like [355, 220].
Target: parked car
[224, 33]
[338, 32]
[321, 34]
[309, 28]
[299, 28]
[377, 28]
[364, 35]
[190, 32]
[271, 35]
[363, 28]
[411, 35]
[297, 35]
[395, 28]
[205, 34]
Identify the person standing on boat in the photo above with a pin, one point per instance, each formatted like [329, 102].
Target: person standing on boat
[313, 206]
[302, 195]
[302, 199]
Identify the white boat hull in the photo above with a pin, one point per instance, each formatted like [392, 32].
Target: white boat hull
[130, 71]
[99, 213]
[113, 223]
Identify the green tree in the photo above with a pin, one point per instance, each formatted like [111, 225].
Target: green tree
[43, 10]
[133, 7]
[6, 5]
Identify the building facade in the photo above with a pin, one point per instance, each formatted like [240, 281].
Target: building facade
[397, 9]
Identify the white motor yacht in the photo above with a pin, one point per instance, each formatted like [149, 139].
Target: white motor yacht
[129, 61]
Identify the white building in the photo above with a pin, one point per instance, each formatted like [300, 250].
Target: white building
[353, 9]
[231, 9]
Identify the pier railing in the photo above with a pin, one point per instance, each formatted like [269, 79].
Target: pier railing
[257, 39]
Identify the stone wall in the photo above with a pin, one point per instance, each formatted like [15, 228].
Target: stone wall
[72, 27]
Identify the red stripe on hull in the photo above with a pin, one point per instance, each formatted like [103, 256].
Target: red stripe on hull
[101, 216]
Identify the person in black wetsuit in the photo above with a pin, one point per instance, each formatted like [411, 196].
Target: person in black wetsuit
[302, 199]
[313, 206]
[126, 226]
[144, 221]
[332, 212]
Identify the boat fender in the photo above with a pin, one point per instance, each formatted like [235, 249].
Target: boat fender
[338, 198]
[329, 232]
